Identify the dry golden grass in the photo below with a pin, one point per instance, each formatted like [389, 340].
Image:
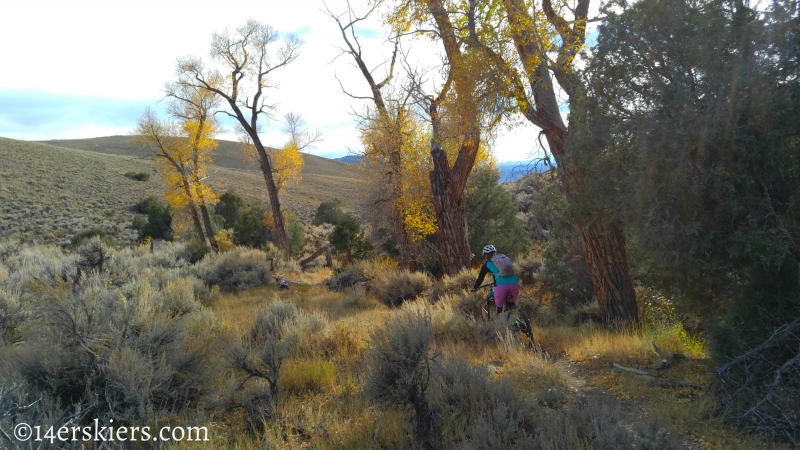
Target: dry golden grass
[590, 342]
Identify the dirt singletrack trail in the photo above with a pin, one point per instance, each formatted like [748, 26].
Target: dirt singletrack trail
[631, 411]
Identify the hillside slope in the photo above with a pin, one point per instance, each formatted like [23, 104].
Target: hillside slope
[228, 155]
[48, 193]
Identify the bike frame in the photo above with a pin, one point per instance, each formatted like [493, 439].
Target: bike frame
[519, 315]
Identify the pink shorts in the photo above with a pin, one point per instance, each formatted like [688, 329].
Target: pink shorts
[505, 293]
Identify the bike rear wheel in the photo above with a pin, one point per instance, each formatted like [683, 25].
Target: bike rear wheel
[520, 325]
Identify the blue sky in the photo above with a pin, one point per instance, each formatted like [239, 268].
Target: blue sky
[31, 115]
[89, 68]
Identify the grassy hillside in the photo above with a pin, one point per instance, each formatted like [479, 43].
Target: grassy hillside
[228, 155]
[48, 193]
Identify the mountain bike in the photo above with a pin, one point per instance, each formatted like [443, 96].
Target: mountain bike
[518, 322]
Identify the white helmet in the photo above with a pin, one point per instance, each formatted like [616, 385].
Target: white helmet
[489, 249]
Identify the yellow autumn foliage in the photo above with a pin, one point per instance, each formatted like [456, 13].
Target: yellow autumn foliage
[288, 164]
[410, 192]
[182, 154]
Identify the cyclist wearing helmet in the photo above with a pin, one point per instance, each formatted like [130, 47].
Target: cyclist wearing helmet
[506, 288]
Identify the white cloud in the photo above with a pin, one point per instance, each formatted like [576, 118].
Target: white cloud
[124, 52]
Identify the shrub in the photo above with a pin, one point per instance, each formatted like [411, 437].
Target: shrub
[138, 176]
[343, 340]
[237, 269]
[587, 421]
[124, 349]
[249, 229]
[147, 205]
[328, 212]
[138, 222]
[259, 356]
[310, 329]
[224, 242]
[397, 286]
[94, 255]
[480, 412]
[528, 267]
[197, 250]
[246, 222]
[12, 314]
[296, 237]
[82, 236]
[348, 238]
[447, 321]
[159, 221]
[654, 436]
[456, 284]
[229, 207]
[398, 371]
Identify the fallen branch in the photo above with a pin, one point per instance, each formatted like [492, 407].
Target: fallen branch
[651, 380]
[788, 331]
[628, 369]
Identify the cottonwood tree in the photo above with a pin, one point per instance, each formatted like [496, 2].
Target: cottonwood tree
[195, 108]
[182, 152]
[533, 47]
[247, 60]
[467, 105]
[385, 130]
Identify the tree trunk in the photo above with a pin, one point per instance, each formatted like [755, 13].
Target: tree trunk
[402, 242]
[452, 221]
[602, 239]
[279, 229]
[192, 209]
[197, 226]
[603, 242]
[209, 228]
[398, 224]
[607, 260]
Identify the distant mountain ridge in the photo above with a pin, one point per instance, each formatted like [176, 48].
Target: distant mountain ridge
[350, 159]
[512, 170]
[509, 170]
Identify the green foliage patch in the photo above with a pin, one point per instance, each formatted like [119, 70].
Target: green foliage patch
[492, 217]
[138, 176]
[89, 233]
[329, 212]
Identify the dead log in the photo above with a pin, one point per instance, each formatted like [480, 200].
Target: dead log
[628, 369]
[324, 249]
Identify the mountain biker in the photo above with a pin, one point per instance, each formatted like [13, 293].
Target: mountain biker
[506, 289]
